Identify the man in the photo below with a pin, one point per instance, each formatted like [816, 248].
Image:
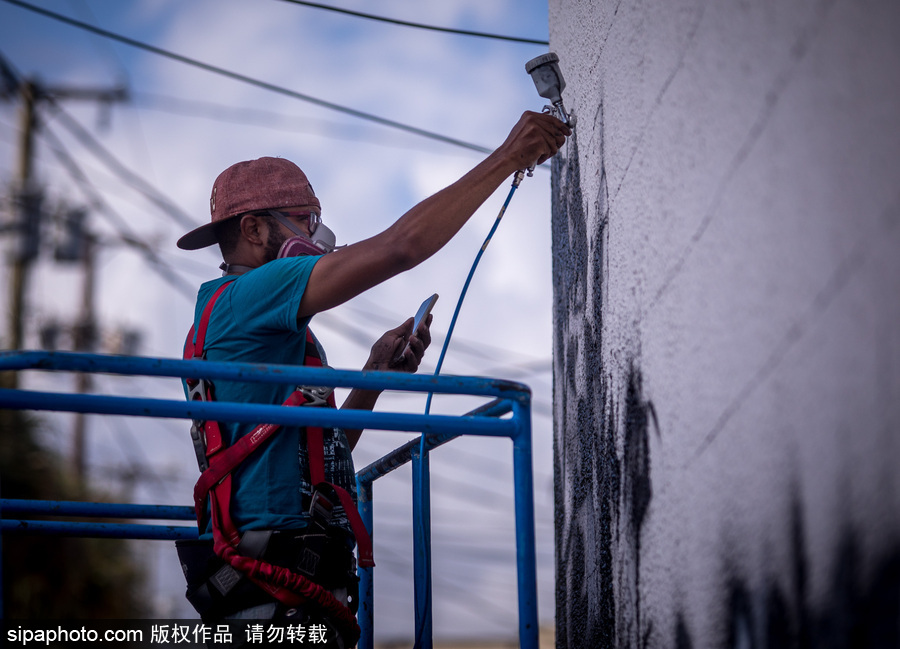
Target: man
[275, 509]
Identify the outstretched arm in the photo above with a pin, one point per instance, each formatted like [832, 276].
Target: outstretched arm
[428, 226]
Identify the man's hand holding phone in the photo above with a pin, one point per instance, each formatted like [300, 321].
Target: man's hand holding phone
[401, 349]
[423, 315]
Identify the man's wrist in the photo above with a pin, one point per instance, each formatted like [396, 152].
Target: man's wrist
[361, 399]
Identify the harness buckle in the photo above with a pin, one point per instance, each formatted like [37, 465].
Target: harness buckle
[198, 439]
[198, 391]
[315, 395]
[321, 508]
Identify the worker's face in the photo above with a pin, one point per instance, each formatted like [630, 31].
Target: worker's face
[302, 219]
[299, 220]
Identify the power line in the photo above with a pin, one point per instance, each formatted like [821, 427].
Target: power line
[477, 604]
[139, 464]
[480, 350]
[406, 23]
[266, 119]
[105, 49]
[251, 81]
[113, 164]
[202, 270]
[364, 339]
[125, 233]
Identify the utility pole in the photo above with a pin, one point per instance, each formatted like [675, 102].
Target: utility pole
[28, 213]
[22, 250]
[27, 233]
[85, 340]
[23, 254]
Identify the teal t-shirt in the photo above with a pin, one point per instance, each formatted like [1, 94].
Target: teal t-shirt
[255, 321]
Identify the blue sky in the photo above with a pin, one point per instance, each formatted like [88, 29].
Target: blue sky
[184, 125]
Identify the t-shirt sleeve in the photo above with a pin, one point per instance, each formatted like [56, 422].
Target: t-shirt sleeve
[268, 298]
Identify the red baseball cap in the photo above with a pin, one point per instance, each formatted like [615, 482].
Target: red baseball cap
[262, 184]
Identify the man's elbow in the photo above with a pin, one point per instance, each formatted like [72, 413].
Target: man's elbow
[405, 253]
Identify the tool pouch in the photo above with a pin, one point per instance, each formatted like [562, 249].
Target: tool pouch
[214, 588]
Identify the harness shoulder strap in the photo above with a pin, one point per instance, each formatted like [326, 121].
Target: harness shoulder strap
[206, 436]
[194, 349]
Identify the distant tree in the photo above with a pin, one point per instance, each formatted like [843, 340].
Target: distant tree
[51, 577]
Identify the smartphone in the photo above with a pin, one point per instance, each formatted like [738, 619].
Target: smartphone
[421, 314]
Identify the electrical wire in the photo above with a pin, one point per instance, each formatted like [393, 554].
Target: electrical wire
[482, 610]
[477, 349]
[105, 49]
[271, 120]
[86, 139]
[9, 132]
[152, 194]
[250, 80]
[406, 23]
[126, 235]
[453, 536]
[139, 466]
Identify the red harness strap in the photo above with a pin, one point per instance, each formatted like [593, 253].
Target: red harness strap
[195, 350]
[316, 450]
[284, 585]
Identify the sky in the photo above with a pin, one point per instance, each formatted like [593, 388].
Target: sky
[182, 125]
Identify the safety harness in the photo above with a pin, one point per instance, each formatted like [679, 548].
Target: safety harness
[217, 463]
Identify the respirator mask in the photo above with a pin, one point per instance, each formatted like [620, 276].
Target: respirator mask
[320, 241]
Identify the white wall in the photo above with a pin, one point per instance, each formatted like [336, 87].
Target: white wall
[727, 323]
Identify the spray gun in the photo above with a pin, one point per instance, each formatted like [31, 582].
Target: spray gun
[548, 80]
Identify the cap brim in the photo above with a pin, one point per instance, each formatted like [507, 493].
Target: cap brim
[201, 237]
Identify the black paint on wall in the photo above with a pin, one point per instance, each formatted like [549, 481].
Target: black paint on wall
[740, 617]
[682, 637]
[780, 630]
[601, 440]
[638, 414]
[585, 465]
[637, 489]
[857, 612]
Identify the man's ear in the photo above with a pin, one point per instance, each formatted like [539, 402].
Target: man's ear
[253, 229]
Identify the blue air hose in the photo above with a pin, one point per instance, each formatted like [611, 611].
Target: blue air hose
[517, 179]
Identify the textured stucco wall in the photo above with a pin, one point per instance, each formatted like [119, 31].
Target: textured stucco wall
[727, 323]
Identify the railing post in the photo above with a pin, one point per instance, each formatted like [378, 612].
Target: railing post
[2, 608]
[525, 535]
[422, 544]
[366, 612]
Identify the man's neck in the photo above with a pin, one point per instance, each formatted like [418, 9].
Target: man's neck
[234, 269]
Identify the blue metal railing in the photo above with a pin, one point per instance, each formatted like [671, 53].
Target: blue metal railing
[505, 398]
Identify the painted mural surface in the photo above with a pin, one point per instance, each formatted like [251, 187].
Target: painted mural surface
[726, 223]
